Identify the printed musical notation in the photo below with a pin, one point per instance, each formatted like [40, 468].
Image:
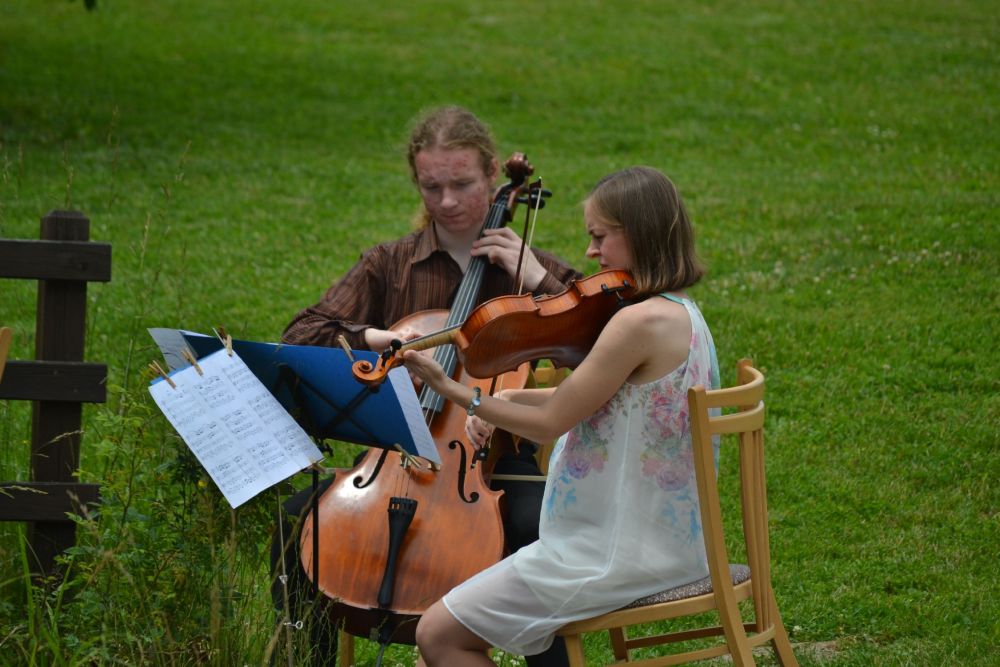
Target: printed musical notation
[238, 431]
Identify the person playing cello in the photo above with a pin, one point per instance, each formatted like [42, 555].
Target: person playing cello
[620, 513]
[453, 163]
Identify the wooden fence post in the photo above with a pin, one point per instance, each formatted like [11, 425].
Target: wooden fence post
[57, 381]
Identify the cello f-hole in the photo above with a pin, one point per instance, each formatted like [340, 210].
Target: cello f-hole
[359, 484]
[474, 496]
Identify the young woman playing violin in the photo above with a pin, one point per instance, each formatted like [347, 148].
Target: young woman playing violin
[620, 517]
[453, 163]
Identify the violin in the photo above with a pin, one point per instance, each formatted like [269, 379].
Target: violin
[405, 535]
[507, 331]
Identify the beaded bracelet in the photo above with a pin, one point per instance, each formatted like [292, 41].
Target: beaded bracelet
[474, 403]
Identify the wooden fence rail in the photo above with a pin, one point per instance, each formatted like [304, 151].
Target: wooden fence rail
[58, 381]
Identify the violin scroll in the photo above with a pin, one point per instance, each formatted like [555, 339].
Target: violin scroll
[372, 375]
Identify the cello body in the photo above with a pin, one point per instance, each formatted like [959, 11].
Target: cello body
[456, 529]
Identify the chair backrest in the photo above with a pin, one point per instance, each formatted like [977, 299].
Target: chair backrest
[547, 376]
[747, 423]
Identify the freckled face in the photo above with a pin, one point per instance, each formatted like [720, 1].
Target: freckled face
[607, 243]
[454, 188]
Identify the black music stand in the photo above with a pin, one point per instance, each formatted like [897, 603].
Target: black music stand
[316, 386]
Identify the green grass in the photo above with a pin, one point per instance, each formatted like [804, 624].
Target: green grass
[839, 160]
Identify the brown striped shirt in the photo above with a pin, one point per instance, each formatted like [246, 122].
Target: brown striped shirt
[399, 278]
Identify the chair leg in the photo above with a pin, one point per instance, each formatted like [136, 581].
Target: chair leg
[618, 639]
[574, 650]
[732, 627]
[346, 649]
[782, 645]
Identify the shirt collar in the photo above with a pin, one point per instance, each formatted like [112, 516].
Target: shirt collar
[427, 244]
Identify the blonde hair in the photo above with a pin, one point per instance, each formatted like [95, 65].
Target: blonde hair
[451, 128]
[646, 206]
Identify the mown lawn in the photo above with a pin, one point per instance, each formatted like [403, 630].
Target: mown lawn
[839, 160]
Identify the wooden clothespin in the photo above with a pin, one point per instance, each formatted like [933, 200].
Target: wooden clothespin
[224, 338]
[320, 468]
[188, 357]
[158, 370]
[409, 459]
[6, 335]
[347, 348]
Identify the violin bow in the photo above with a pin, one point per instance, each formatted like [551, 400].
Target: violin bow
[528, 234]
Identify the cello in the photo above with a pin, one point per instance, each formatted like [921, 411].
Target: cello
[444, 525]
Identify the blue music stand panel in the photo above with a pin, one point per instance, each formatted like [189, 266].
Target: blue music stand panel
[316, 386]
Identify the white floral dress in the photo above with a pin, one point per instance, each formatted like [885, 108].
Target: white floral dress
[620, 516]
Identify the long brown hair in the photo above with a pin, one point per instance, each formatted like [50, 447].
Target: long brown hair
[646, 206]
[450, 127]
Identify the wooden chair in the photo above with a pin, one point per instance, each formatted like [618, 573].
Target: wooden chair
[733, 583]
[544, 375]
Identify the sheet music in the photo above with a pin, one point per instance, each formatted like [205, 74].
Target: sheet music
[244, 438]
[387, 418]
[413, 413]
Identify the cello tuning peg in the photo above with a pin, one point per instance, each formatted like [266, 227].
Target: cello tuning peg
[536, 198]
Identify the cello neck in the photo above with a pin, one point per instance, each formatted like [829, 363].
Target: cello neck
[501, 209]
[465, 302]
[472, 281]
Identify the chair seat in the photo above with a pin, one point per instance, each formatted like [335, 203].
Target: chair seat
[738, 573]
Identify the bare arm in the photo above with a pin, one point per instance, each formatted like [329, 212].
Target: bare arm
[640, 343]
[527, 396]
[479, 430]
[627, 343]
